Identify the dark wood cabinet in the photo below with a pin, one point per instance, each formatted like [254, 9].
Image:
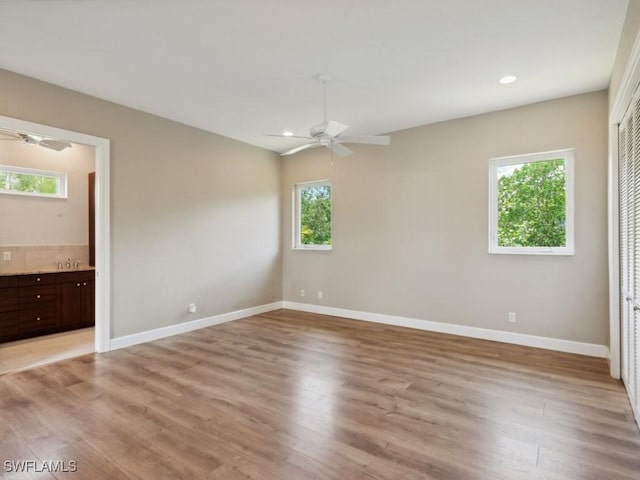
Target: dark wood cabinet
[39, 304]
[76, 294]
[9, 298]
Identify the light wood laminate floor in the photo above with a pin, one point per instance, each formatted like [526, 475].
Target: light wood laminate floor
[290, 395]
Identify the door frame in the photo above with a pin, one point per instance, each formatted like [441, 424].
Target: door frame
[102, 229]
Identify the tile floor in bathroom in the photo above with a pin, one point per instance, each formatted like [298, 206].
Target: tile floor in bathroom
[32, 352]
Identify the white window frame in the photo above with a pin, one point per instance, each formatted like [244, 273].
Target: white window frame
[568, 156]
[60, 177]
[297, 244]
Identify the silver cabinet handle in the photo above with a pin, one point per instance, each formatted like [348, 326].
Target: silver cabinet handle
[38, 279]
[37, 319]
[77, 284]
[37, 296]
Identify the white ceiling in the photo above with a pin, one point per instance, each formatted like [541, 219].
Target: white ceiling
[242, 68]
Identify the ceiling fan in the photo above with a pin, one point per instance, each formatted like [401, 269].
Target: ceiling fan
[30, 139]
[329, 133]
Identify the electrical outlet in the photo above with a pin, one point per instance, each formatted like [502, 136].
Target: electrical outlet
[512, 317]
[192, 308]
[301, 292]
[320, 294]
[6, 256]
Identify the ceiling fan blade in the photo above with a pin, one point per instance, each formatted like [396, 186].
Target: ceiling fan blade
[299, 149]
[56, 145]
[339, 149]
[334, 129]
[374, 140]
[279, 135]
[11, 136]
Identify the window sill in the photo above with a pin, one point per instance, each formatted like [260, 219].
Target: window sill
[62, 196]
[313, 247]
[566, 251]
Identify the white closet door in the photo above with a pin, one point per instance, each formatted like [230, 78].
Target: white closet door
[629, 187]
[625, 291]
[634, 218]
[635, 357]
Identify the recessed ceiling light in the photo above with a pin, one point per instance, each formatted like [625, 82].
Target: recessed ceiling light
[507, 79]
[287, 133]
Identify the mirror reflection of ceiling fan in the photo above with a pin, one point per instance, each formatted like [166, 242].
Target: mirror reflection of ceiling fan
[31, 139]
[329, 133]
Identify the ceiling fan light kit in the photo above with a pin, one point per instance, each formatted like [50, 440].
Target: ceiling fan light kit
[328, 133]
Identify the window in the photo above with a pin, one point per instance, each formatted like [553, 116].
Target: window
[28, 181]
[531, 204]
[312, 215]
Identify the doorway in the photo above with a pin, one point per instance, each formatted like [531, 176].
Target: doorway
[101, 241]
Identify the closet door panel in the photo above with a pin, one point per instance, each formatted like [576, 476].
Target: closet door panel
[625, 292]
[629, 191]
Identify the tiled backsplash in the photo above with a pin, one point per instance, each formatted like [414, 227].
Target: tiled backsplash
[35, 258]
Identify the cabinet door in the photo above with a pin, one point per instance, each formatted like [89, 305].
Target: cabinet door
[77, 304]
[88, 307]
[70, 295]
[8, 299]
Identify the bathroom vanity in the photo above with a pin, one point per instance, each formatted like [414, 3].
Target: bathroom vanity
[40, 303]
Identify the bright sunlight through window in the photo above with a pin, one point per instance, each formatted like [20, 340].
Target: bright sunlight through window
[29, 181]
[312, 215]
[531, 204]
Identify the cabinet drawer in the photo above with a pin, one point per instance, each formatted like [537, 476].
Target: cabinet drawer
[8, 299]
[19, 324]
[9, 322]
[8, 281]
[35, 318]
[35, 280]
[37, 295]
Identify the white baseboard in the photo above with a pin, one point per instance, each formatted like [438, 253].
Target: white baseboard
[590, 349]
[168, 331]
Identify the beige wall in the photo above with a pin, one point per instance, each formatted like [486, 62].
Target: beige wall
[410, 226]
[47, 221]
[194, 216]
[630, 30]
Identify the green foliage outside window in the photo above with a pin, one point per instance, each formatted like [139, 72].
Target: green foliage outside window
[315, 215]
[20, 182]
[531, 205]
